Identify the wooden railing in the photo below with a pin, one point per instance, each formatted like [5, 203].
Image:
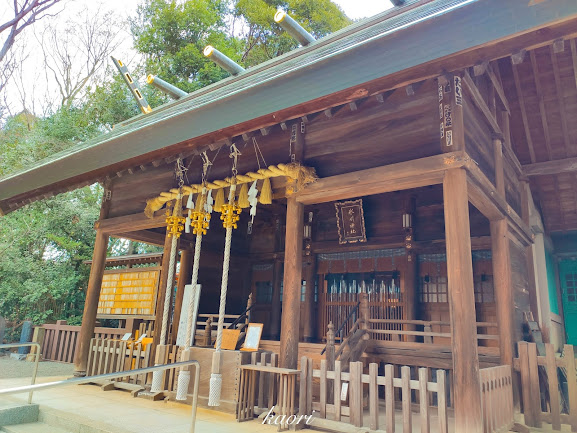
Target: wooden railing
[540, 383]
[409, 328]
[497, 398]
[59, 342]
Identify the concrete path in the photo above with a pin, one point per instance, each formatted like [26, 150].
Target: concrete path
[130, 415]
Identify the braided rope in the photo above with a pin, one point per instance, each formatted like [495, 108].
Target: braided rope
[182, 385]
[190, 324]
[168, 293]
[225, 268]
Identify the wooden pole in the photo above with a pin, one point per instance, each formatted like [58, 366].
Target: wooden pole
[91, 303]
[309, 304]
[410, 292]
[525, 214]
[184, 276]
[503, 288]
[499, 172]
[275, 302]
[462, 303]
[289, 338]
[161, 292]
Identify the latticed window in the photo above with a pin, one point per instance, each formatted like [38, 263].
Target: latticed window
[484, 291]
[433, 289]
[571, 281]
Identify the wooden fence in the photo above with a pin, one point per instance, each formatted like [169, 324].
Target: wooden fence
[60, 340]
[497, 398]
[111, 356]
[338, 396]
[543, 394]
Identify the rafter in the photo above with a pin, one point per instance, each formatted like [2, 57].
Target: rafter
[560, 96]
[523, 112]
[551, 167]
[542, 110]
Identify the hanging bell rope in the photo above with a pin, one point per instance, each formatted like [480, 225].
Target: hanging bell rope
[229, 216]
[174, 228]
[200, 219]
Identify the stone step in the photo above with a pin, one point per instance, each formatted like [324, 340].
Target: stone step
[36, 427]
[18, 413]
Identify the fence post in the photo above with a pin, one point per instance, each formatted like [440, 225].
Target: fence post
[356, 393]
[330, 359]
[373, 396]
[208, 332]
[569, 357]
[526, 383]
[553, 386]
[303, 394]
[424, 400]
[442, 401]
[534, 384]
[389, 398]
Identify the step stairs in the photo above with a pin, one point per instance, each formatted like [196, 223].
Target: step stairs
[34, 419]
[35, 427]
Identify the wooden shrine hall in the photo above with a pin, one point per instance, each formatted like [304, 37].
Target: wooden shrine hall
[398, 185]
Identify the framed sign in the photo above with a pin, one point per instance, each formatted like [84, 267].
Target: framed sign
[351, 221]
[229, 339]
[252, 339]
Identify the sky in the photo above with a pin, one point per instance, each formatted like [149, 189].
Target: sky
[33, 63]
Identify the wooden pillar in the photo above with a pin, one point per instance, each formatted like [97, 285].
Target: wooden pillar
[275, 301]
[310, 276]
[525, 215]
[161, 292]
[462, 303]
[289, 338]
[91, 303]
[186, 258]
[499, 172]
[410, 291]
[503, 288]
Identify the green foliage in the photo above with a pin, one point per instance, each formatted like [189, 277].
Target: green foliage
[44, 244]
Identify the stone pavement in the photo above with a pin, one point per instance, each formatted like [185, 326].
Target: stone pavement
[110, 409]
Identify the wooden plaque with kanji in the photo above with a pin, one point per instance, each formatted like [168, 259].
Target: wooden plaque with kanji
[351, 221]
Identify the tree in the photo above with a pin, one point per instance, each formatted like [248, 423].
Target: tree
[173, 35]
[264, 40]
[74, 55]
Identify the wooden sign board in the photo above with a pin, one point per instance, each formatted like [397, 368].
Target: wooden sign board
[252, 339]
[229, 339]
[128, 292]
[351, 221]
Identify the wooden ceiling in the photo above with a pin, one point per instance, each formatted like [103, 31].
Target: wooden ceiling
[541, 85]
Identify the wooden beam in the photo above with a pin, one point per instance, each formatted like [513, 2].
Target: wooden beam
[309, 276]
[558, 45]
[484, 196]
[574, 59]
[450, 99]
[542, 109]
[478, 100]
[569, 146]
[480, 68]
[466, 384]
[523, 113]
[499, 173]
[518, 57]
[387, 178]
[130, 223]
[551, 167]
[498, 88]
[291, 305]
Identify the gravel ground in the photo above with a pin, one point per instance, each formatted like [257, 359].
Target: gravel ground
[10, 368]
